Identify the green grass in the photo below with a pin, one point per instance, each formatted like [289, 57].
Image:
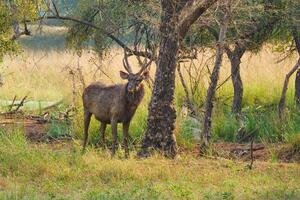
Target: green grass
[43, 77]
[259, 116]
[61, 171]
[30, 171]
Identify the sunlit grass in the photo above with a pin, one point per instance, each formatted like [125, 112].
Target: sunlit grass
[62, 172]
[45, 76]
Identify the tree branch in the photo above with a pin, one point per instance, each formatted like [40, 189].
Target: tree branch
[18, 34]
[111, 36]
[189, 20]
[285, 88]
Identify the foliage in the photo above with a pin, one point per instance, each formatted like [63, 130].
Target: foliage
[283, 34]
[6, 45]
[251, 24]
[122, 19]
[12, 14]
[59, 129]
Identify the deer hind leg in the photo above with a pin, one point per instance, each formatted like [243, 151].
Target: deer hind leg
[102, 134]
[114, 128]
[125, 138]
[87, 119]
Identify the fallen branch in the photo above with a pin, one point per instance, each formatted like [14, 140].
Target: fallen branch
[54, 105]
[247, 148]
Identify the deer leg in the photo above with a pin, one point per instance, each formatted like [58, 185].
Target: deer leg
[114, 126]
[125, 137]
[87, 119]
[102, 134]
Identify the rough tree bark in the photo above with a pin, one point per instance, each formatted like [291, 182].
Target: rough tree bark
[235, 60]
[162, 115]
[297, 88]
[214, 81]
[161, 112]
[285, 88]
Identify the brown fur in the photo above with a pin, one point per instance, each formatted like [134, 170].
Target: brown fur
[111, 105]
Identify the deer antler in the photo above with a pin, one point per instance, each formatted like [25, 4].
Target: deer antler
[126, 63]
[145, 65]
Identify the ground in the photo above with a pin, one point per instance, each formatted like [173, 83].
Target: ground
[32, 168]
[45, 172]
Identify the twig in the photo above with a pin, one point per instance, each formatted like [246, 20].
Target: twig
[12, 104]
[55, 8]
[227, 79]
[20, 104]
[251, 154]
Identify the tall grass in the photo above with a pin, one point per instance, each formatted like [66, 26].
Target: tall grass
[41, 171]
[45, 75]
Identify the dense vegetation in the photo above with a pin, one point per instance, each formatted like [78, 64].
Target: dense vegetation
[223, 72]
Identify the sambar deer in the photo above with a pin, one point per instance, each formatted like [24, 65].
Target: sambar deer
[114, 104]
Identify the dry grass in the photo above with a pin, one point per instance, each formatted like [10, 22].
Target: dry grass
[42, 172]
[44, 75]
[61, 172]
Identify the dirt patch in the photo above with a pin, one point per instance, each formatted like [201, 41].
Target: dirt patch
[242, 151]
[34, 129]
[261, 152]
[287, 153]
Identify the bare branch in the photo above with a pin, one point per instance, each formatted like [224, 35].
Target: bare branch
[55, 8]
[285, 88]
[89, 24]
[189, 20]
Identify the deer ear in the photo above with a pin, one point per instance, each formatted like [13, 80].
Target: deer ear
[123, 75]
[146, 74]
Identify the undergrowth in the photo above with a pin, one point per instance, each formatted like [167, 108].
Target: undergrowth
[44, 77]
[56, 171]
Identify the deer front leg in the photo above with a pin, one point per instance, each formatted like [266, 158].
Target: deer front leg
[114, 126]
[102, 134]
[125, 137]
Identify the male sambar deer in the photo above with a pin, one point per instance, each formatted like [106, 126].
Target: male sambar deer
[114, 104]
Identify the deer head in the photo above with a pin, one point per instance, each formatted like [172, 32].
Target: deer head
[134, 79]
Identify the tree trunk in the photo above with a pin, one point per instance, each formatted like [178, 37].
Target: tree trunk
[214, 81]
[238, 90]
[295, 33]
[162, 115]
[297, 88]
[285, 87]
